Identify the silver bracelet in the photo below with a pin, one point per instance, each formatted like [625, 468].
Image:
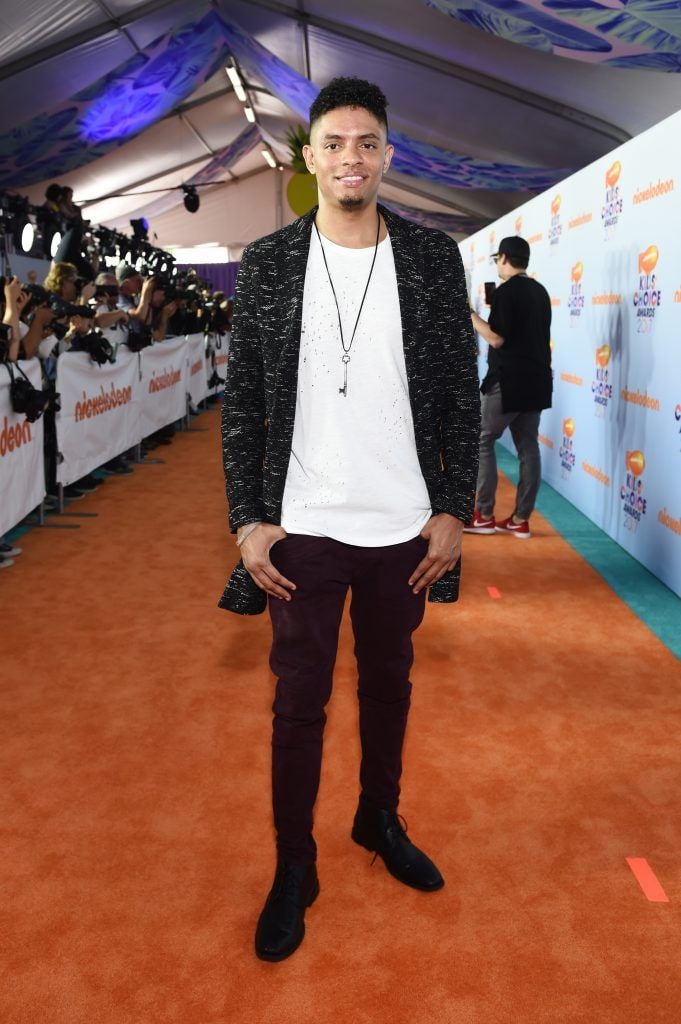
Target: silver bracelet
[243, 536]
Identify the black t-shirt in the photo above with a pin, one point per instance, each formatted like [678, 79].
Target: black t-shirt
[521, 315]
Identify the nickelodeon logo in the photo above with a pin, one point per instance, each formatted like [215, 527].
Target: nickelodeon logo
[568, 427]
[577, 272]
[13, 437]
[635, 462]
[555, 205]
[647, 261]
[612, 175]
[603, 356]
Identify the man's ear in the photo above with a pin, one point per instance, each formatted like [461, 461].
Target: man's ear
[389, 150]
[308, 155]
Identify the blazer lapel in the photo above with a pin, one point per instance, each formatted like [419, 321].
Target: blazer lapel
[410, 287]
[293, 268]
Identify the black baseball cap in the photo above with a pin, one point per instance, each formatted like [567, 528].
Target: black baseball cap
[515, 247]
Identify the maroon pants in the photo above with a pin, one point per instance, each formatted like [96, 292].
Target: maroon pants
[384, 614]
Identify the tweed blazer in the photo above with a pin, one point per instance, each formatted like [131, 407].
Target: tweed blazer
[262, 379]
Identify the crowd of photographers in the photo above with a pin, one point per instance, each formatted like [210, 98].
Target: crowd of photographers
[82, 308]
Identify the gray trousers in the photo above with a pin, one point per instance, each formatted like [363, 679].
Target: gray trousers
[524, 427]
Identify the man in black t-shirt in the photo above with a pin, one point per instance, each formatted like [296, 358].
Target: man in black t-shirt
[516, 388]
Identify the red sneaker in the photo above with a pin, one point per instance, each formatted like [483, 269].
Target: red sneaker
[517, 529]
[480, 524]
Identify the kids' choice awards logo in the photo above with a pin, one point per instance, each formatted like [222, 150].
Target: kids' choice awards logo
[601, 387]
[613, 205]
[631, 491]
[576, 298]
[556, 228]
[647, 297]
[567, 449]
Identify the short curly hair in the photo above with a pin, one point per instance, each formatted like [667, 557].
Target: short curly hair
[350, 92]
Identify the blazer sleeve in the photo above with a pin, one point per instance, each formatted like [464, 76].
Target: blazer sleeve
[243, 410]
[460, 425]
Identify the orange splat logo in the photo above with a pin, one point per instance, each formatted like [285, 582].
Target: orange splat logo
[612, 175]
[568, 427]
[647, 261]
[636, 462]
[555, 205]
[576, 272]
[518, 225]
[603, 355]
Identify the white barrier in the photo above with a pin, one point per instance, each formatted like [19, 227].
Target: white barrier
[22, 467]
[197, 380]
[100, 411]
[163, 384]
[607, 246]
[105, 410]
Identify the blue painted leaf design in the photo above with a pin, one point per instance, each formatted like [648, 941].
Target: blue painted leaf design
[645, 23]
[517, 18]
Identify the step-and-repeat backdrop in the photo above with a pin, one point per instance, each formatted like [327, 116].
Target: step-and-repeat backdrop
[606, 244]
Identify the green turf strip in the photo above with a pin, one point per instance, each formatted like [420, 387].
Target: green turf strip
[649, 599]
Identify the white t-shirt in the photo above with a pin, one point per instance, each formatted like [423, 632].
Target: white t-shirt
[354, 473]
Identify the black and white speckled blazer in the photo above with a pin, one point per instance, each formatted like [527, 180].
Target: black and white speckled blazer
[262, 379]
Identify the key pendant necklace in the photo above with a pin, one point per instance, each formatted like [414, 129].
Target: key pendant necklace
[346, 349]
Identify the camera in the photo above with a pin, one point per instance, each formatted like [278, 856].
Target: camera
[106, 291]
[5, 341]
[25, 399]
[139, 338]
[61, 308]
[96, 346]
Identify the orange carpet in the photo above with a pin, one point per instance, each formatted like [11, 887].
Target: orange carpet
[543, 750]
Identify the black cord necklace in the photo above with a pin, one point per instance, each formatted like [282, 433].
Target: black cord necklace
[346, 351]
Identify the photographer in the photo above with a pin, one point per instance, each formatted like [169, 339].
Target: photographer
[162, 311]
[15, 300]
[108, 317]
[131, 284]
[40, 328]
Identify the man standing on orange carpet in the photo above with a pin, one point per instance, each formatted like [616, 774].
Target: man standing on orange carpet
[350, 438]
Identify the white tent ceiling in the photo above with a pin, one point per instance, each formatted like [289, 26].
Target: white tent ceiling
[448, 84]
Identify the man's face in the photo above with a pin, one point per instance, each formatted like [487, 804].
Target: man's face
[504, 268]
[349, 155]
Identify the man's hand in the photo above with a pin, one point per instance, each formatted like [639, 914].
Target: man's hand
[255, 552]
[443, 533]
[148, 287]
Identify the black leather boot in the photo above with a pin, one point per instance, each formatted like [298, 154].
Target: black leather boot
[383, 833]
[281, 925]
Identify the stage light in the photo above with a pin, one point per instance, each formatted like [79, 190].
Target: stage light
[27, 237]
[55, 243]
[191, 198]
[234, 78]
[140, 228]
[250, 116]
[268, 157]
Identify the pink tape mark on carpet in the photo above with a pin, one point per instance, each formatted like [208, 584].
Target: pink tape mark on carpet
[493, 592]
[644, 875]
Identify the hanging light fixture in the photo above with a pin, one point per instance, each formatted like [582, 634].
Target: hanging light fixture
[191, 198]
[233, 75]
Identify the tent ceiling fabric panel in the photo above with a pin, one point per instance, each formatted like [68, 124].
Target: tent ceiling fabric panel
[117, 96]
[640, 34]
[28, 25]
